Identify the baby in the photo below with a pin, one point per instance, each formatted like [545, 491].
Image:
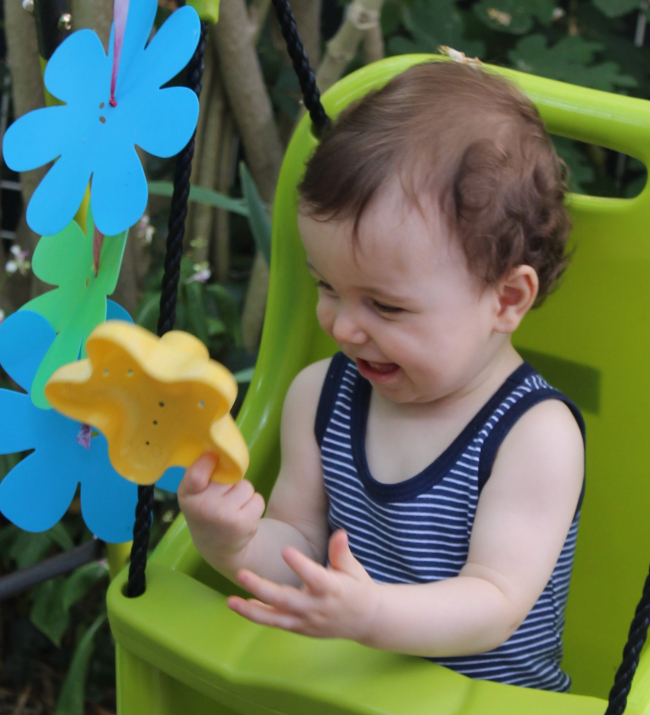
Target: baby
[431, 480]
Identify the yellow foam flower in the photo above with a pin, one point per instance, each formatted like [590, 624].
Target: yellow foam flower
[160, 402]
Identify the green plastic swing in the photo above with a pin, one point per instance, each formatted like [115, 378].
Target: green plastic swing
[179, 649]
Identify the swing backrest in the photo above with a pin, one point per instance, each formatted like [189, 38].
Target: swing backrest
[590, 339]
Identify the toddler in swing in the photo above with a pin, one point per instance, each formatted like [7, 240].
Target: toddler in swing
[431, 479]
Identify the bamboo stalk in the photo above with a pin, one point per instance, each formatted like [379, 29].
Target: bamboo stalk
[208, 173]
[204, 100]
[220, 239]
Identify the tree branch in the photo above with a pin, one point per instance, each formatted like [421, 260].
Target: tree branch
[253, 113]
[373, 45]
[360, 18]
[248, 97]
[95, 15]
[307, 14]
[27, 93]
[257, 12]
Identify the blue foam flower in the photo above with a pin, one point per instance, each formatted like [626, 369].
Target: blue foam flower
[36, 493]
[91, 137]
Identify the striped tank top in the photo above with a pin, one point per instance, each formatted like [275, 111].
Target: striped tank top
[418, 530]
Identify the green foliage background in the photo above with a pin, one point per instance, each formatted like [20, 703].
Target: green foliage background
[55, 640]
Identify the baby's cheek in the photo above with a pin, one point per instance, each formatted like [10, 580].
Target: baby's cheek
[325, 315]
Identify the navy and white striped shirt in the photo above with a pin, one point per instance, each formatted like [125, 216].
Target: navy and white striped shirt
[418, 530]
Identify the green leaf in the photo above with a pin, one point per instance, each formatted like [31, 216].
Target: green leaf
[514, 16]
[615, 8]
[53, 599]
[216, 327]
[258, 219]
[59, 535]
[244, 376]
[568, 61]
[228, 310]
[201, 195]
[148, 309]
[581, 171]
[81, 580]
[48, 613]
[7, 463]
[432, 23]
[71, 698]
[391, 16]
[28, 548]
[635, 187]
[196, 317]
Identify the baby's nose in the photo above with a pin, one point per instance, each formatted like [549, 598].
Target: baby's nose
[347, 330]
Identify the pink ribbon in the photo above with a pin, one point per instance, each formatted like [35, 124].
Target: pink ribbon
[120, 12]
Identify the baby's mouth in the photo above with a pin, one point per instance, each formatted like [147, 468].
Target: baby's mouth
[376, 370]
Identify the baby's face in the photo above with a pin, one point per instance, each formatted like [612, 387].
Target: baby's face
[403, 305]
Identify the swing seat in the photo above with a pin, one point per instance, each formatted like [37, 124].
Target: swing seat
[179, 648]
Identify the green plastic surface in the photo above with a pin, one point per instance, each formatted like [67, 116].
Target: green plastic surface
[180, 649]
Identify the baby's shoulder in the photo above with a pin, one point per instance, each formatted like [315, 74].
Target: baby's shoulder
[304, 392]
[311, 378]
[549, 423]
[546, 447]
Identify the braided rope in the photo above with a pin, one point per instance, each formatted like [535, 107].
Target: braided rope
[301, 65]
[635, 640]
[169, 294]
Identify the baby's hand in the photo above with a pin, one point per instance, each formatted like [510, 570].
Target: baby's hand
[335, 602]
[222, 518]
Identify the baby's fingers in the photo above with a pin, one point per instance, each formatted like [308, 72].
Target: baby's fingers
[263, 614]
[315, 577]
[197, 476]
[283, 598]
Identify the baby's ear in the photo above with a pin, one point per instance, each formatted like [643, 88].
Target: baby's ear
[516, 293]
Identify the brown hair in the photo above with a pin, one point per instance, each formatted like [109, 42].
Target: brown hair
[467, 138]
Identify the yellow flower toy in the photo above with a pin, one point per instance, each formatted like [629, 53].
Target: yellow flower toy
[160, 402]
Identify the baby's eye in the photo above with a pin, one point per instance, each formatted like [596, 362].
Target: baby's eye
[322, 284]
[386, 308]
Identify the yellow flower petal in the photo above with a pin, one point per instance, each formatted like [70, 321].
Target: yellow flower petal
[160, 402]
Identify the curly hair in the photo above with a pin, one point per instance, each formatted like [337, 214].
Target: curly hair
[468, 139]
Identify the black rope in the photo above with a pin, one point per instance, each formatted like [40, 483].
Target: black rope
[635, 640]
[169, 294]
[301, 65]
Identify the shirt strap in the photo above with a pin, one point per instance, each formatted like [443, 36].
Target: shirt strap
[328, 394]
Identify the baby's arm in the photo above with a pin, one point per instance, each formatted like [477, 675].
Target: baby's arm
[224, 520]
[522, 521]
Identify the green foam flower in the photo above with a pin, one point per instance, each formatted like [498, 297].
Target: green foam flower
[78, 304]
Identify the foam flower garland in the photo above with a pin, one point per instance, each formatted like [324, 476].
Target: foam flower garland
[78, 304]
[92, 138]
[38, 490]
